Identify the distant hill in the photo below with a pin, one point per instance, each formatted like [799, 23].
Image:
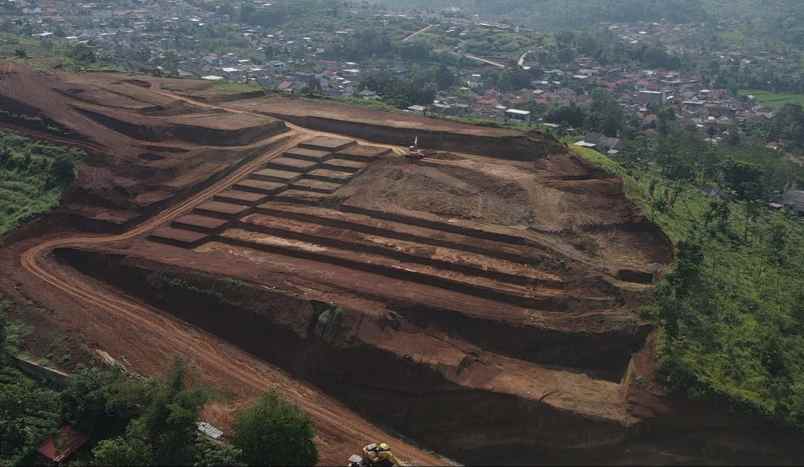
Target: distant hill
[778, 19]
[570, 14]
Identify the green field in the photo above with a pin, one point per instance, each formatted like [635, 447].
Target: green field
[774, 100]
[232, 87]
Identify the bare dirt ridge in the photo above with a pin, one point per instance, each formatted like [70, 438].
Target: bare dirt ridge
[479, 300]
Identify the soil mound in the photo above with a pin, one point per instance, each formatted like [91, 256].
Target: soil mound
[449, 191]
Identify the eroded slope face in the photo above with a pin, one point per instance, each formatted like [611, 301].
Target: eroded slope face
[146, 147]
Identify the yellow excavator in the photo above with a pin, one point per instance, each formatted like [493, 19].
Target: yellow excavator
[375, 455]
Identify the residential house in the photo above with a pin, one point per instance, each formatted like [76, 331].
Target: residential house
[59, 448]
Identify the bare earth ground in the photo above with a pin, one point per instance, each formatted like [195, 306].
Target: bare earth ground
[480, 301]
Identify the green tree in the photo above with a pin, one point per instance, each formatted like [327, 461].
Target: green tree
[169, 421]
[162, 414]
[718, 214]
[170, 61]
[3, 335]
[778, 241]
[445, 78]
[211, 454]
[744, 179]
[666, 121]
[788, 125]
[605, 115]
[83, 54]
[127, 450]
[571, 115]
[102, 402]
[274, 432]
[28, 414]
[675, 295]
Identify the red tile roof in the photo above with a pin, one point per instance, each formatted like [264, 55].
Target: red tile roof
[63, 444]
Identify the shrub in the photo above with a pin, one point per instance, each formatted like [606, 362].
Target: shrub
[275, 432]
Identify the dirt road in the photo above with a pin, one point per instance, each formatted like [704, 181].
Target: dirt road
[483, 60]
[156, 337]
[420, 31]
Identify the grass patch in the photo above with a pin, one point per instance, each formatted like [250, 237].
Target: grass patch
[731, 313]
[33, 176]
[231, 87]
[774, 100]
[374, 104]
[51, 53]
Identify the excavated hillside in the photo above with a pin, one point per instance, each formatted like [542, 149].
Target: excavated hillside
[146, 150]
[482, 301]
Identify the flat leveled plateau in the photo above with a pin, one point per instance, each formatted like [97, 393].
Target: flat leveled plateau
[278, 175]
[240, 197]
[179, 237]
[316, 185]
[327, 143]
[291, 164]
[222, 120]
[260, 186]
[222, 209]
[334, 176]
[344, 165]
[199, 222]
[336, 111]
[314, 155]
[362, 152]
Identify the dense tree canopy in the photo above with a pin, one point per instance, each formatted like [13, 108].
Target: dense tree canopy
[274, 432]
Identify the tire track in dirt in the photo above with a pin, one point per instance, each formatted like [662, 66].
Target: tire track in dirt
[332, 419]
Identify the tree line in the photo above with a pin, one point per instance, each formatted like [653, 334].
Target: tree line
[732, 309]
[136, 421]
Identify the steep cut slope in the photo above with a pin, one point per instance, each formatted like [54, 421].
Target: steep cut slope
[466, 301]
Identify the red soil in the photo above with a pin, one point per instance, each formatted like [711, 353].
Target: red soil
[487, 296]
[146, 150]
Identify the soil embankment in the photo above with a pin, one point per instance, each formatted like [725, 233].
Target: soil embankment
[343, 352]
[401, 129]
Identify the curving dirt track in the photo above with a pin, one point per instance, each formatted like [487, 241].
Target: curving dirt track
[340, 431]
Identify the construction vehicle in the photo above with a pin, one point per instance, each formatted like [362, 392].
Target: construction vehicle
[375, 455]
[414, 152]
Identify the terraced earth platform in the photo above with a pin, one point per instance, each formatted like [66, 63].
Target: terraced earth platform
[446, 269]
[481, 303]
